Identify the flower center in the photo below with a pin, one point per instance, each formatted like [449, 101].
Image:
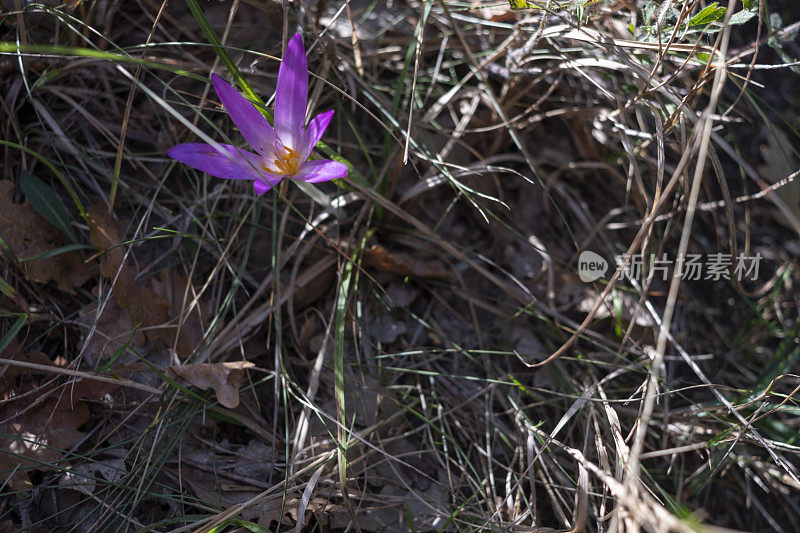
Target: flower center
[287, 161]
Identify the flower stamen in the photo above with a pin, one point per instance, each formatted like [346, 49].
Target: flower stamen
[287, 160]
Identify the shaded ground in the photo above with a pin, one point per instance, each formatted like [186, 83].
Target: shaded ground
[182, 355]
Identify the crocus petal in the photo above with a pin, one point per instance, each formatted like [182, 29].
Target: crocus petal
[291, 94]
[251, 123]
[261, 186]
[314, 132]
[236, 164]
[321, 170]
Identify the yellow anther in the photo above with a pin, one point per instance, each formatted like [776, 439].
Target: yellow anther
[288, 161]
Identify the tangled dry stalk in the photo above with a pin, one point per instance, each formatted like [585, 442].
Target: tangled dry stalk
[415, 347]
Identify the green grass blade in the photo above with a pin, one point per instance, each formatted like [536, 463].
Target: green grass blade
[224, 56]
[12, 332]
[52, 167]
[45, 201]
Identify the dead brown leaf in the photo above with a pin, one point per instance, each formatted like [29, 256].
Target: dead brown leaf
[142, 305]
[215, 479]
[150, 308]
[224, 378]
[207, 487]
[37, 435]
[112, 329]
[267, 512]
[28, 234]
[173, 287]
[404, 264]
[39, 419]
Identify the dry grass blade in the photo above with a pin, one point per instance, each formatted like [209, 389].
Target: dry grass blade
[487, 325]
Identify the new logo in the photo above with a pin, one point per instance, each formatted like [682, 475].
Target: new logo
[591, 266]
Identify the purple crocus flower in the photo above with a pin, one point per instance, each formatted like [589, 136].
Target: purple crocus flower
[282, 152]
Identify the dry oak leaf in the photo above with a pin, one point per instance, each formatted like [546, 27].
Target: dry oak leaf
[179, 293]
[28, 234]
[33, 437]
[405, 264]
[111, 330]
[224, 378]
[142, 305]
[37, 419]
[266, 511]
